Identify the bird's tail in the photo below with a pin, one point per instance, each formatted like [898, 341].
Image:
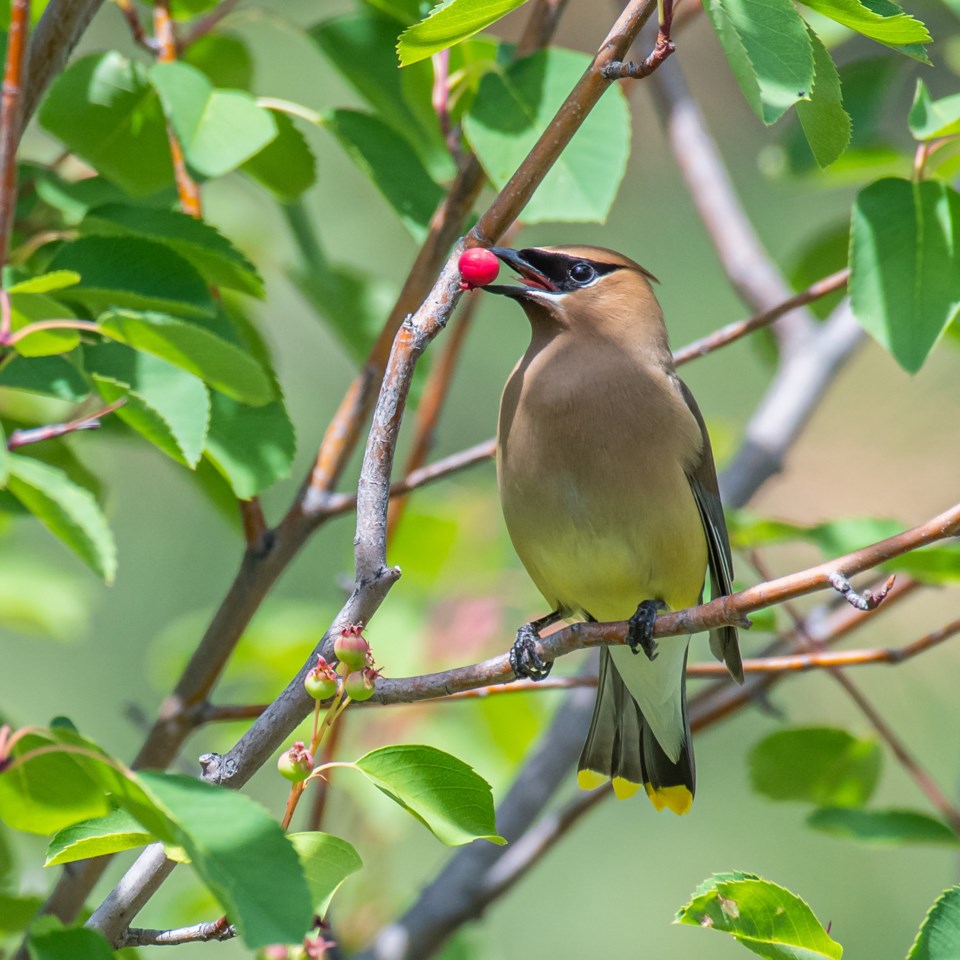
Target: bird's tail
[621, 747]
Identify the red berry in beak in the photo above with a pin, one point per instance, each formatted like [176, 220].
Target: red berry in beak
[478, 267]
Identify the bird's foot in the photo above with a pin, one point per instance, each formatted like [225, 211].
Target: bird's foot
[524, 658]
[640, 628]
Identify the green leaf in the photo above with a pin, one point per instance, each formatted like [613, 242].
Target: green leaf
[167, 405]
[225, 60]
[104, 110]
[49, 792]
[818, 765]
[16, 913]
[905, 265]
[362, 48]
[448, 797]
[67, 510]
[47, 282]
[251, 447]
[194, 349]
[327, 861]
[448, 24]
[931, 118]
[936, 565]
[57, 377]
[513, 109]
[769, 50]
[886, 23]
[286, 166]
[403, 11]
[939, 935]
[70, 943]
[826, 253]
[27, 308]
[885, 827]
[826, 125]
[390, 163]
[217, 260]
[116, 831]
[133, 272]
[767, 919]
[218, 129]
[242, 855]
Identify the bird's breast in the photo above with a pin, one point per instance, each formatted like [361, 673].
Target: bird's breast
[592, 476]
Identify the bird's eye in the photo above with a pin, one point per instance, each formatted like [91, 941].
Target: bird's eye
[582, 272]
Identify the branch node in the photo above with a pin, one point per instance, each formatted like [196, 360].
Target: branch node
[866, 601]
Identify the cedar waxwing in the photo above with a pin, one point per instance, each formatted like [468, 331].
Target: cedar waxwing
[610, 496]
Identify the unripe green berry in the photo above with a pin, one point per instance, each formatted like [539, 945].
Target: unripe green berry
[352, 649]
[360, 684]
[321, 682]
[295, 764]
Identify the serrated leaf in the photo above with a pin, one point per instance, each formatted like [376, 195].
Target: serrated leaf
[327, 861]
[242, 855]
[29, 308]
[69, 943]
[218, 261]
[218, 129]
[931, 118]
[194, 349]
[939, 935]
[104, 110]
[513, 109]
[446, 795]
[116, 831]
[769, 51]
[817, 765]
[885, 827]
[889, 24]
[167, 405]
[58, 377]
[362, 48]
[47, 282]
[251, 447]
[286, 166]
[224, 59]
[69, 511]
[826, 125]
[905, 265]
[448, 24]
[48, 792]
[133, 272]
[766, 918]
[390, 163]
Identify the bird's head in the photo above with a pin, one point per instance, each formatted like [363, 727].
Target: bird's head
[582, 289]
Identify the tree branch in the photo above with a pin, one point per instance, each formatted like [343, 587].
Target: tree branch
[10, 112]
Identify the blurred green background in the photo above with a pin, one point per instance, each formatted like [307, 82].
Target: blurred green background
[881, 444]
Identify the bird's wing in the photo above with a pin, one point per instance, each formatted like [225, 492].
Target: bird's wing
[703, 482]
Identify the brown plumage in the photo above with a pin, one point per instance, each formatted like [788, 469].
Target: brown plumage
[610, 496]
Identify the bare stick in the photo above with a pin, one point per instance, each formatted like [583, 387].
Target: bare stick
[219, 930]
[10, 112]
[136, 27]
[91, 421]
[748, 266]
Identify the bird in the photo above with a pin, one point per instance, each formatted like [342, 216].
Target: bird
[609, 492]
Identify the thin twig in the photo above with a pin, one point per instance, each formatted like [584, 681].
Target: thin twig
[662, 49]
[10, 118]
[219, 930]
[136, 27]
[90, 421]
[908, 761]
[748, 266]
[207, 24]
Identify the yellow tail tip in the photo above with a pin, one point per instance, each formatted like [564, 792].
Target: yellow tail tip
[677, 799]
[624, 789]
[590, 779]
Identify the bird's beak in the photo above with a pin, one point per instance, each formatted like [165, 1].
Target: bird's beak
[533, 280]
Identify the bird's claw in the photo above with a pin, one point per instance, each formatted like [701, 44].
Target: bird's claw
[640, 628]
[524, 658]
